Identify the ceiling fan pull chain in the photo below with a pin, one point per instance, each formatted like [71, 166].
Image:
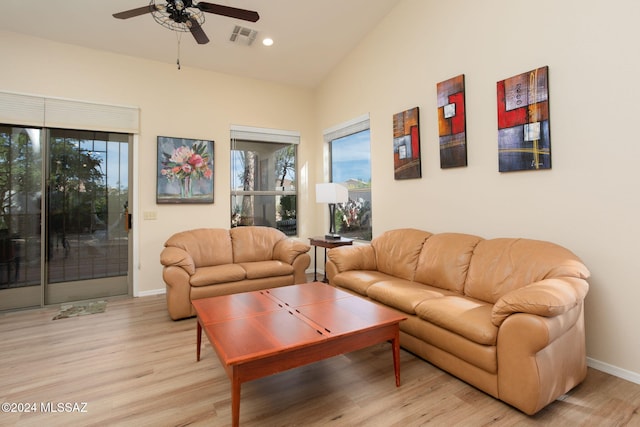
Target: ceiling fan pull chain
[178, 35]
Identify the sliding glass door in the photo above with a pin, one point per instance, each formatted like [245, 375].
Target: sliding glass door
[79, 248]
[87, 254]
[20, 208]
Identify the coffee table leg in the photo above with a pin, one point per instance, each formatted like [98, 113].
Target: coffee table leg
[235, 399]
[395, 344]
[199, 341]
[315, 263]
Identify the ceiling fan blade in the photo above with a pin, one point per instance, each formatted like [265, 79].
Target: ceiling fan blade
[135, 12]
[232, 12]
[197, 32]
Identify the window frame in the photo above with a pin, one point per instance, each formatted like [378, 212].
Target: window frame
[258, 136]
[351, 127]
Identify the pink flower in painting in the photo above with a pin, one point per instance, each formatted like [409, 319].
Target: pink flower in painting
[181, 154]
[196, 161]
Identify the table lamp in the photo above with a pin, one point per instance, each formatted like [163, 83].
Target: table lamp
[331, 193]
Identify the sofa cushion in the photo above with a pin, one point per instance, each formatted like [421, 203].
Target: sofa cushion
[397, 251]
[482, 356]
[403, 294]
[260, 269]
[252, 244]
[501, 265]
[207, 246]
[444, 260]
[217, 274]
[358, 280]
[465, 316]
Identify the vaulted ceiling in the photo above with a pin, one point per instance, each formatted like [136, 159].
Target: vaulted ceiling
[310, 36]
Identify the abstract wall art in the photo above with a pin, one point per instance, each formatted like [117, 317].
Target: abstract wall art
[524, 141]
[406, 144]
[452, 128]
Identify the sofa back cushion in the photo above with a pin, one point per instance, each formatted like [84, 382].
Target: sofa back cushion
[444, 260]
[252, 244]
[397, 251]
[207, 246]
[501, 265]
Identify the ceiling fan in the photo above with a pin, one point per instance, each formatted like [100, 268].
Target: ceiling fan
[186, 15]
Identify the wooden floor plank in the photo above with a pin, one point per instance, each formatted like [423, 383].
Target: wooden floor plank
[133, 366]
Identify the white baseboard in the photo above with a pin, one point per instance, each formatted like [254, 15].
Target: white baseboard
[634, 377]
[152, 292]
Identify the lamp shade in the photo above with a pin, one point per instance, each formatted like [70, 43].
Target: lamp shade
[330, 192]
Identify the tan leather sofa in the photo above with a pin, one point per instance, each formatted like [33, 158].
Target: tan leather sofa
[208, 262]
[505, 315]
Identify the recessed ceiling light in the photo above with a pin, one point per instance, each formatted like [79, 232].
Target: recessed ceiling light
[267, 41]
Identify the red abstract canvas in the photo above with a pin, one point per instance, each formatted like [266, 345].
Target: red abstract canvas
[452, 122]
[406, 144]
[524, 141]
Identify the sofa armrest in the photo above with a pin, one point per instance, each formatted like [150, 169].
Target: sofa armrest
[178, 292]
[287, 250]
[540, 358]
[347, 258]
[547, 298]
[172, 256]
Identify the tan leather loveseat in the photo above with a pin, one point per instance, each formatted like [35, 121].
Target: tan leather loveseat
[208, 262]
[504, 315]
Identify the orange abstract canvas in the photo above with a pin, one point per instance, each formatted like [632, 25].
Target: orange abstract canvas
[524, 141]
[406, 144]
[452, 129]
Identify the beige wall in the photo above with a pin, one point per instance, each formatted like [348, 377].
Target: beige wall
[588, 201]
[188, 103]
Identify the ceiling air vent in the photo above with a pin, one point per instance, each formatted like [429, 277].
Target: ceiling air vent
[243, 35]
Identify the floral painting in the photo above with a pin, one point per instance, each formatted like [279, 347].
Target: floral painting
[185, 170]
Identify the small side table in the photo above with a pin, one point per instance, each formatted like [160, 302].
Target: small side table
[325, 243]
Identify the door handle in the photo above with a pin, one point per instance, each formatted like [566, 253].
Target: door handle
[128, 220]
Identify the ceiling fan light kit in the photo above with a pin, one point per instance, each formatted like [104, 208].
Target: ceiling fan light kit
[175, 16]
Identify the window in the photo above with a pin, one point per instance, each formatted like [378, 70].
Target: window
[350, 162]
[263, 178]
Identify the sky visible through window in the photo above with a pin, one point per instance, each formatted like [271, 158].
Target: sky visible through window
[351, 157]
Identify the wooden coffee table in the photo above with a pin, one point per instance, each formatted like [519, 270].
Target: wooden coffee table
[257, 334]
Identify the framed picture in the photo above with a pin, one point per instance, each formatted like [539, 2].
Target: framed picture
[185, 171]
[524, 141]
[406, 144]
[452, 128]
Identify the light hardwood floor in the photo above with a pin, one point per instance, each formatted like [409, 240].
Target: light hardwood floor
[133, 366]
